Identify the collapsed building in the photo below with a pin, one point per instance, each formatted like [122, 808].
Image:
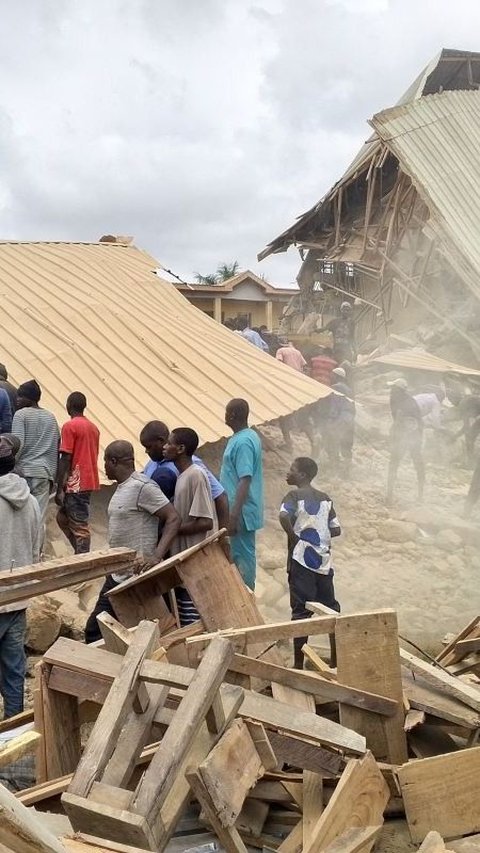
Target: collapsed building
[399, 231]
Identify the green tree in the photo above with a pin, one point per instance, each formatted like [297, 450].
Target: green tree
[210, 279]
[226, 271]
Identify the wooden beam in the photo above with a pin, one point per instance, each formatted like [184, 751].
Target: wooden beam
[358, 801]
[114, 712]
[432, 700]
[271, 632]
[311, 683]
[306, 755]
[23, 832]
[448, 654]
[61, 728]
[443, 792]
[312, 803]
[355, 840]
[318, 663]
[228, 836]
[160, 775]
[368, 659]
[467, 646]
[452, 686]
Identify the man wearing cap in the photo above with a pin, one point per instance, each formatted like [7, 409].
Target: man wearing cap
[343, 331]
[5, 412]
[406, 435]
[8, 387]
[39, 436]
[20, 540]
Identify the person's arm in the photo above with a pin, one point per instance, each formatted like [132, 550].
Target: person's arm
[170, 519]
[240, 498]
[18, 429]
[333, 523]
[286, 523]
[63, 473]
[279, 354]
[221, 506]
[195, 525]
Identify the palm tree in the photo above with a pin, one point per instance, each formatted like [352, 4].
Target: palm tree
[226, 271]
[210, 279]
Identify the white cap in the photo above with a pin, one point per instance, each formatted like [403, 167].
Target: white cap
[339, 371]
[345, 305]
[398, 383]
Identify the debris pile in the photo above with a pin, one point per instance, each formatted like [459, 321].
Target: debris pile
[159, 730]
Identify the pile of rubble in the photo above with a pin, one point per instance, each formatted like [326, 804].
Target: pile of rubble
[159, 731]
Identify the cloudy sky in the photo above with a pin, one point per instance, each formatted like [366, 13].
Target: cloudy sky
[201, 127]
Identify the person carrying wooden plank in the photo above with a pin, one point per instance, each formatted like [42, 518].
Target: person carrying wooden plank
[194, 504]
[242, 477]
[308, 517]
[20, 542]
[133, 515]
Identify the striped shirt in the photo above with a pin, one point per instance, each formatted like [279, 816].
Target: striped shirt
[39, 437]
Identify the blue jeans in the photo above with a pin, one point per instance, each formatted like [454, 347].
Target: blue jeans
[12, 660]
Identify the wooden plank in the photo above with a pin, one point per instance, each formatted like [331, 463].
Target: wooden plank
[443, 792]
[230, 771]
[17, 720]
[312, 803]
[358, 801]
[313, 684]
[294, 841]
[299, 752]
[160, 775]
[262, 744]
[83, 843]
[433, 843]
[465, 845]
[59, 565]
[18, 747]
[368, 659]
[108, 821]
[23, 832]
[318, 663]
[452, 686]
[448, 654]
[426, 741]
[433, 701]
[39, 723]
[105, 794]
[355, 840]
[228, 835]
[414, 718]
[61, 729]
[270, 633]
[252, 818]
[132, 607]
[465, 647]
[114, 712]
[116, 637]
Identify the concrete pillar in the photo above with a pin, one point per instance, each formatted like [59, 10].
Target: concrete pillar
[217, 309]
[269, 317]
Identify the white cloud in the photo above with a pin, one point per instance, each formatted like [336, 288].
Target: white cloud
[203, 128]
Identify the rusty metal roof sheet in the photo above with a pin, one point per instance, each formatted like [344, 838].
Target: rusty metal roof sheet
[408, 359]
[95, 318]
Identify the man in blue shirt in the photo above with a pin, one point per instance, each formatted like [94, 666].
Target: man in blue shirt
[251, 335]
[242, 477]
[153, 438]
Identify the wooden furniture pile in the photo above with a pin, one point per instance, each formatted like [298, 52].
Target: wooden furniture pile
[158, 729]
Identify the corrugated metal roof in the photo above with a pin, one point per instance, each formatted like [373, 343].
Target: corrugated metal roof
[95, 318]
[436, 141]
[417, 360]
[449, 69]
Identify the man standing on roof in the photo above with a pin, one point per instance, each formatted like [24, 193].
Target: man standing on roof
[406, 435]
[343, 331]
[77, 475]
[133, 516]
[242, 477]
[8, 387]
[322, 364]
[20, 540]
[194, 504]
[39, 436]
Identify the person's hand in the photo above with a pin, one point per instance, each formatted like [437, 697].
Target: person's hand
[225, 545]
[60, 497]
[144, 563]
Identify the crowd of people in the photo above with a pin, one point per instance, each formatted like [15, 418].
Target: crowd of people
[173, 503]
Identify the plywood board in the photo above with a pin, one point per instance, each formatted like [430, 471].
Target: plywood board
[443, 792]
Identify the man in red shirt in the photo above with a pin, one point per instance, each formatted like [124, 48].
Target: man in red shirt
[77, 474]
[322, 364]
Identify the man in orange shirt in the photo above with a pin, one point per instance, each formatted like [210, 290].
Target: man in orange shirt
[77, 474]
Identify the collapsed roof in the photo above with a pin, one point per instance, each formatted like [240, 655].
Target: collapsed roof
[95, 317]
